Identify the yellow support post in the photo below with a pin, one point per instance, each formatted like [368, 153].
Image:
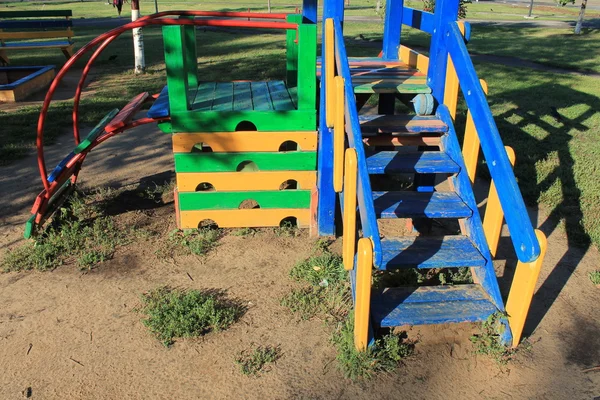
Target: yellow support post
[349, 234]
[492, 221]
[451, 88]
[338, 135]
[521, 290]
[471, 141]
[329, 72]
[363, 294]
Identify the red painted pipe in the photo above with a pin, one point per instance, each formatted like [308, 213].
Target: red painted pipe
[144, 21]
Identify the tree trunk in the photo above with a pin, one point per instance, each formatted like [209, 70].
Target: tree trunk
[269, 6]
[378, 6]
[580, 19]
[138, 39]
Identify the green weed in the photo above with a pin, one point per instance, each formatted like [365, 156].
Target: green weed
[243, 232]
[256, 361]
[488, 341]
[595, 277]
[77, 233]
[320, 270]
[178, 313]
[185, 242]
[287, 229]
[384, 355]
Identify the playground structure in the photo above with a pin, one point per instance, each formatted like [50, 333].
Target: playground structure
[16, 83]
[253, 154]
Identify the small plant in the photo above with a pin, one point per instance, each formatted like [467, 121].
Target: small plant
[488, 341]
[595, 277]
[384, 355]
[177, 313]
[184, 242]
[256, 361]
[287, 229]
[320, 270]
[243, 232]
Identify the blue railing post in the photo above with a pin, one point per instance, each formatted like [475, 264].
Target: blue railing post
[446, 12]
[309, 11]
[392, 29]
[326, 194]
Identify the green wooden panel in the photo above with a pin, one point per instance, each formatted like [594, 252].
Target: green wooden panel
[231, 162]
[204, 96]
[176, 68]
[232, 200]
[94, 133]
[280, 96]
[242, 96]
[227, 121]
[307, 67]
[260, 96]
[36, 13]
[223, 97]
[190, 57]
[292, 51]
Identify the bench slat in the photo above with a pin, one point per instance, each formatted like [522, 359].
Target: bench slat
[35, 45]
[36, 13]
[36, 35]
[36, 24]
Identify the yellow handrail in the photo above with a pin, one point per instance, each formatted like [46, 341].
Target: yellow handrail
[349, 234]
[338, 135]
[362, 301]
[328, 72]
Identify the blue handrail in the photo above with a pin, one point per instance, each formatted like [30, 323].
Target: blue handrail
[365, 198]
[523, 236]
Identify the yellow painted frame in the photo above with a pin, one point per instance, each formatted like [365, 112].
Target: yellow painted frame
[338, 135]
[349, 227]
[362, 302]
[253, 218]
[329, 72]
[241, 181]
[471, 143]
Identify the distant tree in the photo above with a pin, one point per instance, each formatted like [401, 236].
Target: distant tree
[429, 5]
[580, 18]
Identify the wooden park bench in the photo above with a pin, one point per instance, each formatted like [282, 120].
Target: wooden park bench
[29, 30]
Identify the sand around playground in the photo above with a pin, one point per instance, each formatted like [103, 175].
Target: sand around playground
[72, 334]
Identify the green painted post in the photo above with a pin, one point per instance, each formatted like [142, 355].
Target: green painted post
[177, 78]
[307, 66]
[292, 51]
[190, 56]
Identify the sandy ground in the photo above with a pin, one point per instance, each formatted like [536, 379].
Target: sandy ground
[69, 334]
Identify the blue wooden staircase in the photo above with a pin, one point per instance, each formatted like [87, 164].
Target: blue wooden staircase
[387, 145]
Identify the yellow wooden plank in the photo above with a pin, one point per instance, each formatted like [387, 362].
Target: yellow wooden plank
[522, 290]
[349, 234]
[251, 218]
[471, 142]
[362, 302]
[413, 59]
[36, 35]
[338, 135]
[329, 72]
[241, 181]
[243, 141]
[492, 221]
[451, 88]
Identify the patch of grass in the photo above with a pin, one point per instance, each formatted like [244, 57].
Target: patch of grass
[178, 313]
[243, 232]
[185, 242]
[77, 232]
[384, 355]
[287, 229]
[320, 270]
[595, 277]
[257, 360]
[488, 341]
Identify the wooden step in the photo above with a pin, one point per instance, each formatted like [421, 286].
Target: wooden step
[429, 252]
[425, 162]
[431, 305]
[398, 124]
[402, 140]
[408, 204]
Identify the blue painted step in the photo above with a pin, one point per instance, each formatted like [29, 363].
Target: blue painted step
[415, 204]
[425, 162]
[430, 305]
[430, 252]
[401, 124]
[160, 107]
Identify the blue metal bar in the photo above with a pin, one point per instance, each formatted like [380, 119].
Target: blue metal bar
[418, 19]
[364, 193]
[446, 12]
[392, 29]
[525, 242]
[309, 11]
